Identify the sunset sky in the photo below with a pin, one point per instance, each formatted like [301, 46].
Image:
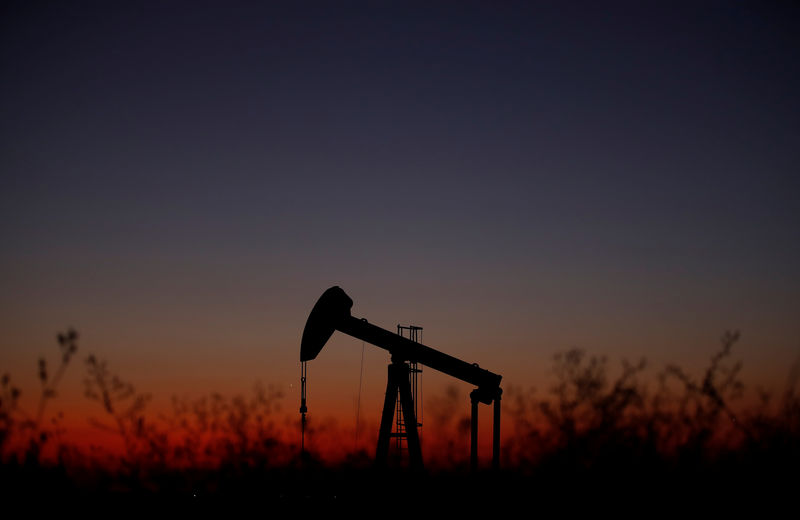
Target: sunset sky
[182, 180]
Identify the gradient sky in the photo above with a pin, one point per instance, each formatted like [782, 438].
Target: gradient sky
[182, 180]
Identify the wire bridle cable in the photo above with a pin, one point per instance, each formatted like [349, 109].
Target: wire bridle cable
[358, 402]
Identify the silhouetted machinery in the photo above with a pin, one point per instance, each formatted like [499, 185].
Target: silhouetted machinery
[332, 312]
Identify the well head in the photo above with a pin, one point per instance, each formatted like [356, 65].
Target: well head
[331, 308]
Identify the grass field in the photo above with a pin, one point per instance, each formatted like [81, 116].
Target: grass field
[592, 440]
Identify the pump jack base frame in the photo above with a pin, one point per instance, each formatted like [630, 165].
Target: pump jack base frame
[398, 381]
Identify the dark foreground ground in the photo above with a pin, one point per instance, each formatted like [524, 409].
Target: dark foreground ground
[624, 491]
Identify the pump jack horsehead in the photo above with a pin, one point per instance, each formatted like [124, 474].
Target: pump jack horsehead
[332, 312]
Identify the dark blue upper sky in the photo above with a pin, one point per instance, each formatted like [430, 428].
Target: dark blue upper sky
[557, 166]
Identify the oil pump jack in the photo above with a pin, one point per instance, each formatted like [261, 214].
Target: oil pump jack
[332, 312]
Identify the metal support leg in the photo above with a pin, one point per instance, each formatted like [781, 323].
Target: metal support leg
[496, 433]
[473, 446]
[401, 376]
[382, 453]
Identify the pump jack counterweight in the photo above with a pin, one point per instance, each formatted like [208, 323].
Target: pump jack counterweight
[332, 312]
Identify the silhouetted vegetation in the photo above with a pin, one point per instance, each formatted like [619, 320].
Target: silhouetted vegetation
[687, 436]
